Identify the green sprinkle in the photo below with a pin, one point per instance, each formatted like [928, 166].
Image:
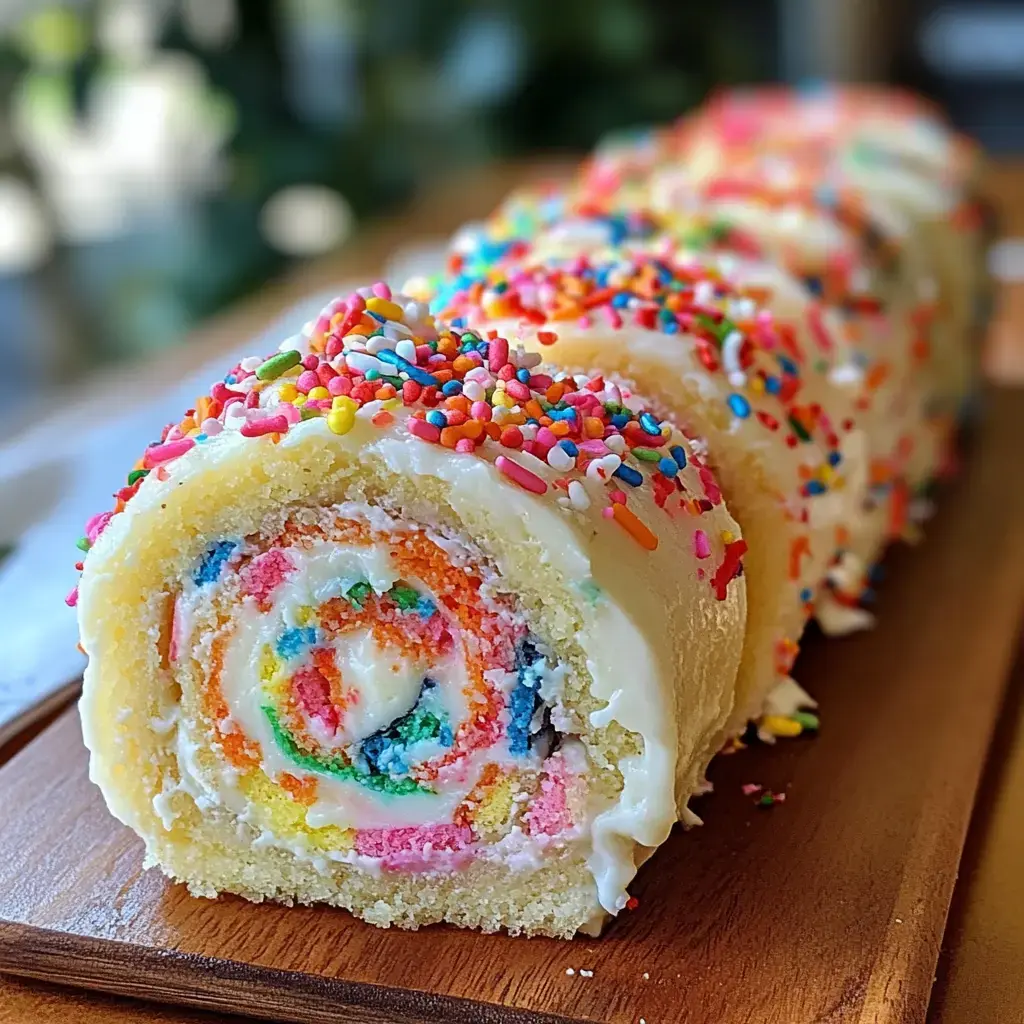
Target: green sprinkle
[646, 454]
[405, 597]
[807, 720]
[798, 429]
[83, 544]
[357, 594]
[137, 474]
[310, 413]
[419, 725]
[766, 801]
[276, 365]
[337, 766]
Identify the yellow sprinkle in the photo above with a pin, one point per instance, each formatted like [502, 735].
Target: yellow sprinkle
[287, 392]
[728, 536]
[342, 403]
[305, 614]
[340, 421]
[385, 308]
[779, 726]
[319, 394]
[293, 371]
[392, 403]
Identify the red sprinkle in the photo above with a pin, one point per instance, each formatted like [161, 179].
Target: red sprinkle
[520, 475]
[267, 425]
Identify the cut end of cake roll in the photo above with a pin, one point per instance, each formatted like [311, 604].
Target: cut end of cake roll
[401, 621]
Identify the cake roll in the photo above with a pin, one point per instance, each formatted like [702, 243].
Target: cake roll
[713, 353]
[875, 350]
[790, 144]
[400, 619]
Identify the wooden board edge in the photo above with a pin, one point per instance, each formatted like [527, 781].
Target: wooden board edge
[167, 976]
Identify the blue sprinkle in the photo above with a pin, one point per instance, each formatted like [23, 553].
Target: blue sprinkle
[834, 458]
[650, 424]
[523, 376]
[739, 405]
[213, 561]
[568, 447]
[451, 387]
[293, 642]
[445, 736]
[678, 452]
[533, 422]
[426, 607]
[815, 487]
[788, 366]
[805, 595]
[668, 466]
[620, 419]
[521, 702]
[772, 385]
[230, 379]
[387, 355]
[630, 475]
[670, 328]
[621, 300]
[437, 418]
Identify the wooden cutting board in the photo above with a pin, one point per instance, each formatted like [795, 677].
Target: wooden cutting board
[828, 907]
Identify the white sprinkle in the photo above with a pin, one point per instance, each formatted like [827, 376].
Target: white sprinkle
[406, 348]
[586, 974]
[559, 458]
[731, 358]
[251, 363]
[569, 971]
[578, 496]
[647, 977]
[474, 390]
[377, 343]
[600, 470]
[361, 362]
[615, 443]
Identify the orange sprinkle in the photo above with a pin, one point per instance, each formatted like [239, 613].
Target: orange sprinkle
[450, 436]
[593, 427]
[634, 527]
[304, 791]
[800, 547]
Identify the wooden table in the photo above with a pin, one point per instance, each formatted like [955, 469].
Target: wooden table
[980, 977]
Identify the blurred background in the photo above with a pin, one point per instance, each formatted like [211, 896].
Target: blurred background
[160, 158]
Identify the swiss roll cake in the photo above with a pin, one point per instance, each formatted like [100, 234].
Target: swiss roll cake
[440, 611]
[401, 620]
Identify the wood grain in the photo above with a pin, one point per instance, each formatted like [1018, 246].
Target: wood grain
[829, 907]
